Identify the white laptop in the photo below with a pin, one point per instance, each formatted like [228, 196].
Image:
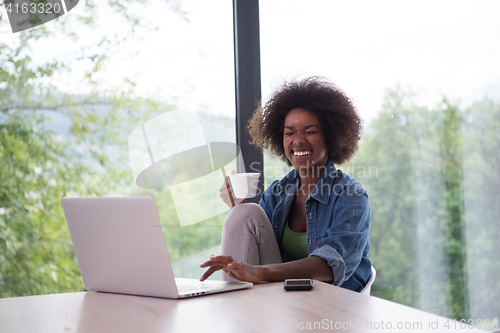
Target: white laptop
[120, 248]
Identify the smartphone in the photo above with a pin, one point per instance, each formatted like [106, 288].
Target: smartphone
[298, 284]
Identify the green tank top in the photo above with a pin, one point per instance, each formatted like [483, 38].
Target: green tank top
[294, 243]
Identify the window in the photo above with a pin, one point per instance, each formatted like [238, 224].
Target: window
[424, 77]
[65, 132]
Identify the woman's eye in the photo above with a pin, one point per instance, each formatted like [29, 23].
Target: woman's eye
[288, 134]
[312, 132]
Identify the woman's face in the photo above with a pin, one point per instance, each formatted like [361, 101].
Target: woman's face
[304, 140]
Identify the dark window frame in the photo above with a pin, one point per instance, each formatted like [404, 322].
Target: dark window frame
[247, 82]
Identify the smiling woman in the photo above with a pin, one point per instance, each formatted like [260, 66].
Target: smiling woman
[425, 78]
[335, 112]
[315, 222]
[304, 140]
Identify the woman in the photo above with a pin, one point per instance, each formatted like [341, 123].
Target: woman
[315, 222]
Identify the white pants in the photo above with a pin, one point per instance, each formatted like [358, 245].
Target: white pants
[248, 237]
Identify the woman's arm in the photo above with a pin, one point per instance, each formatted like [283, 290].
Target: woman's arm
[308, 268]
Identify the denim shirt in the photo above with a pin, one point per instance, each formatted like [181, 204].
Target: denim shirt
[338, 222]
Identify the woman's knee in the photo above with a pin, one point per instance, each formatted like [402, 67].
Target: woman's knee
[243, 213]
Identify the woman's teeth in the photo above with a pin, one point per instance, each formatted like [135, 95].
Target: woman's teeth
[301, 153]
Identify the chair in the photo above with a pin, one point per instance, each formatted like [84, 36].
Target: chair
[366, 290]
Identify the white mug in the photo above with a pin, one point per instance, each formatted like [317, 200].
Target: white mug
[245, 185]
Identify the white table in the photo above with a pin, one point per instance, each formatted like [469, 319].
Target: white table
[263, 308]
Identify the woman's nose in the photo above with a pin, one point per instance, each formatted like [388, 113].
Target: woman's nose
[299, 137]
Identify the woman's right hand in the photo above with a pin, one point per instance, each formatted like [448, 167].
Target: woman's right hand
[234, 269]
[226, 193]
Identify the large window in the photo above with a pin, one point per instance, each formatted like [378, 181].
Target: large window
[424, 77]
[72, 93]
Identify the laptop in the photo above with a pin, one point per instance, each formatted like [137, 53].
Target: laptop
[120, 248]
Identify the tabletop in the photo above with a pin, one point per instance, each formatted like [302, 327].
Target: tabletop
[262, 308]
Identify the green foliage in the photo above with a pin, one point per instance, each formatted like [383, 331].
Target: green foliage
[87, 155]
[481, 183]
[434, 198]
[451, 155]
[389, 147]
[37, 255]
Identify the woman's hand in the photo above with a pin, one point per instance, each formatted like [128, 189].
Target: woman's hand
[235, 269]
[226, 193]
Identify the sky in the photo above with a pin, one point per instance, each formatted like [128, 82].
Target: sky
[435, 48]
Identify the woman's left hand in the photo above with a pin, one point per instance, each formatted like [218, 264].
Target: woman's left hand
[234, 269]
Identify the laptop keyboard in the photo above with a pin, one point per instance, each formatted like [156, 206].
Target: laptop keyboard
[188, 288]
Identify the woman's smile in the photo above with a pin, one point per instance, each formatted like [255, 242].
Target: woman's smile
[304, 140]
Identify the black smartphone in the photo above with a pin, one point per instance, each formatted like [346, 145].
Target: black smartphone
[298, 284]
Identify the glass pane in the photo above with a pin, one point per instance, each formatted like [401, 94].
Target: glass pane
[425, 78]
[79, 99]
[274, 169]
